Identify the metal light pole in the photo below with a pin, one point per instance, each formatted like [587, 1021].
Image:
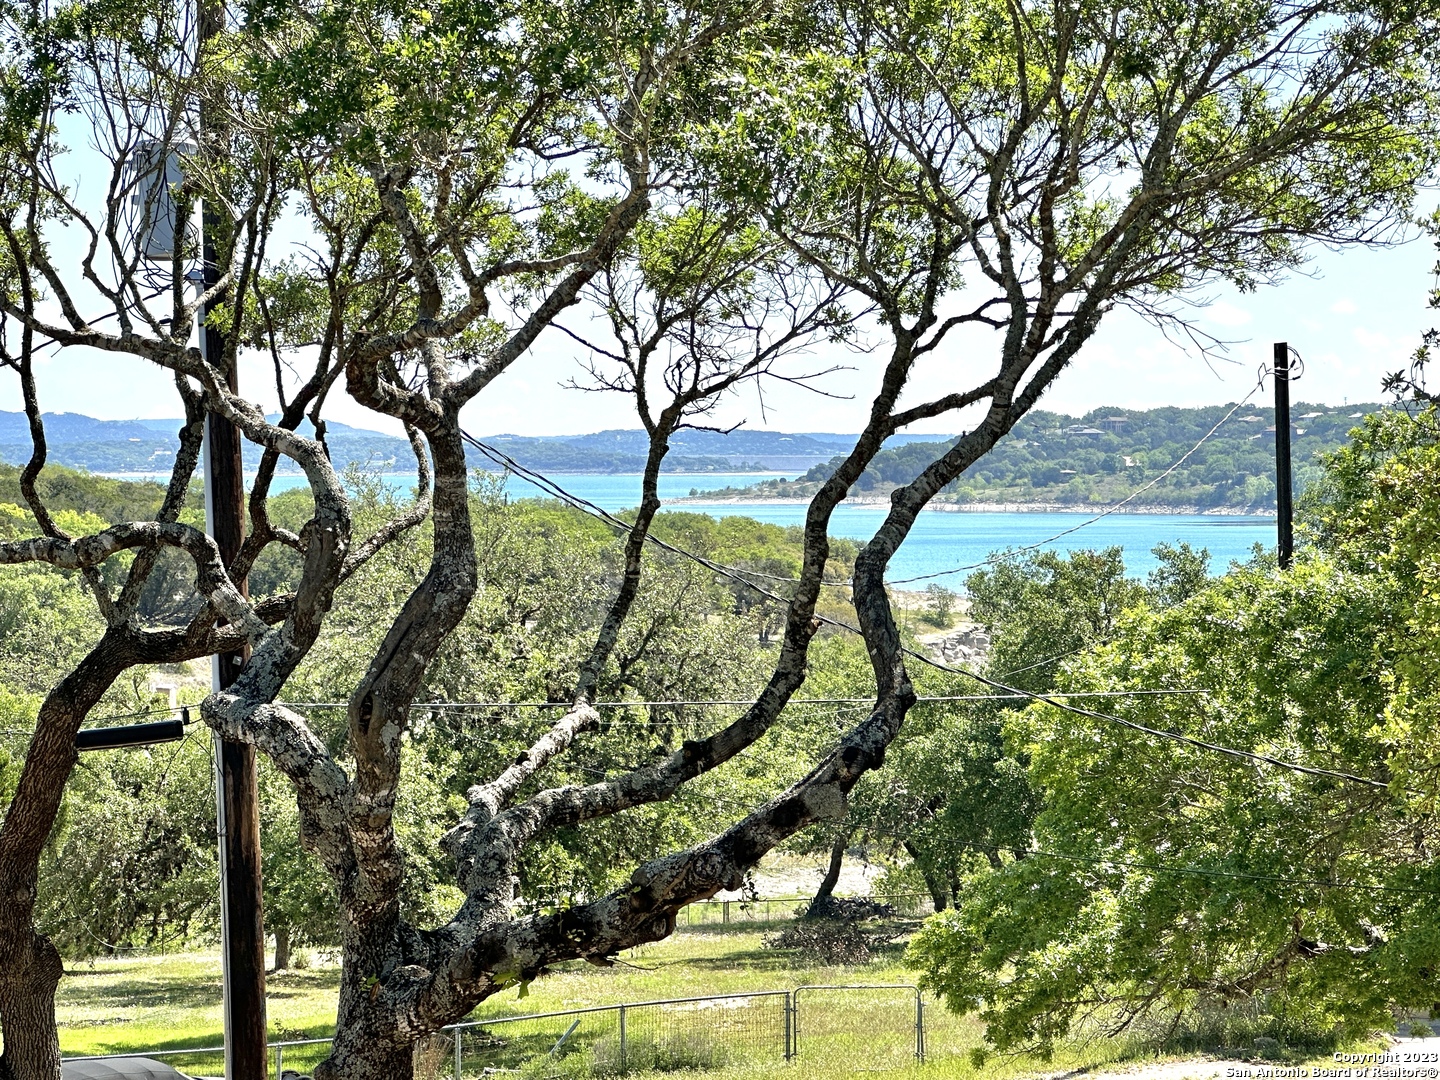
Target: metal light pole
[1284, 496]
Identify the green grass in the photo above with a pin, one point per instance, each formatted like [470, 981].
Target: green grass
[173, 1002]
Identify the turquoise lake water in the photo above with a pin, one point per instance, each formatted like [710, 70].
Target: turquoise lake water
[940, 540]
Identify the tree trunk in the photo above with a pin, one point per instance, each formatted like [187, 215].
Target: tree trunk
[30, 966]
[28, 978]
[821, 904]
[934, 883]
[282, 948]
[368, 1043]
[368, 1060]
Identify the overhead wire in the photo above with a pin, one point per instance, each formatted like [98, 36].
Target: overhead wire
[744, 702]
[1174, 736]
[1004, 691]
[999, 557]
[1049, 699]
[543, 482]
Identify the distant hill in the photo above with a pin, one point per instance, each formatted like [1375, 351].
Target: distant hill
[1049, 458]
[1106, 454]
[147, 447]
[741, 450]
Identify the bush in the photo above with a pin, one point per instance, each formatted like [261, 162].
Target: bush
[833, 941]
[939, 603]
[849, 909]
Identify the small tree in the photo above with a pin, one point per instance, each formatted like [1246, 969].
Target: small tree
[939, 603]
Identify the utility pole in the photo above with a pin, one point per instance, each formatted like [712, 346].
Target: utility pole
[237, 799]
[1284, 499]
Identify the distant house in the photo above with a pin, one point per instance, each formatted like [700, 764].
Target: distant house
[1269, 433]
[1129, 461]
[1114, 424]
[1077, 429]
[1251, 419]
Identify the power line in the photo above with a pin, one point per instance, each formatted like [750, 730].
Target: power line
[546, 484]
[745, 702]
[1053, 700]
[1175, 736]
[1002, 556]
[505, 461]
[1051, 659]
[101, 721]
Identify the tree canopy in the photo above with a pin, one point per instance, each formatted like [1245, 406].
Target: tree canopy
[1288, 894]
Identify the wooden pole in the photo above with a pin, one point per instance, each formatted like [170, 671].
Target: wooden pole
[237, 794]
[1284, 494]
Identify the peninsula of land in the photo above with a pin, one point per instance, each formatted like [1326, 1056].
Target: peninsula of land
[1218, 459]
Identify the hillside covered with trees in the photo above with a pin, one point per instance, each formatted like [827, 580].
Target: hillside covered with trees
[148, 448]
[1106, 454]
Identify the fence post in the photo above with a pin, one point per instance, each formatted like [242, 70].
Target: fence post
[623, 1062]
[725, 917]
[458, 1053]
[919, 1027]
[279, 1060]
[789, 1022]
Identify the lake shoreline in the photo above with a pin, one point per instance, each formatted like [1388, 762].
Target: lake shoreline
[1089, 509]
[684, 502]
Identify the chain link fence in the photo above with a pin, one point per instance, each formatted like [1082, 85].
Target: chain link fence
[679, 1033]
[870, 1028]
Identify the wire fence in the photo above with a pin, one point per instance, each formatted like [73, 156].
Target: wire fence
[869, 1027]
[773, 908]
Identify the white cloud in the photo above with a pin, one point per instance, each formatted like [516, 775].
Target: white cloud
[1372, 341]
[1222, 314]
[1344, 306]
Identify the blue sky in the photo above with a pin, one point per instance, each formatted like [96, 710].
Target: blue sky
[1355, 315]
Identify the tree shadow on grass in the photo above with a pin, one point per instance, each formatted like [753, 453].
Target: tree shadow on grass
[146, 993]
[184, 991]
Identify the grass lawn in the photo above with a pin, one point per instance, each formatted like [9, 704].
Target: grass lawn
[173, 1002]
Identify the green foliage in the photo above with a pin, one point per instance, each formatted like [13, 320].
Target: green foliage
[72, 489]
[1045, 605]
[131, 863]
[939, 603]
[1381, 515]
[47, 623]
[1164, 879]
